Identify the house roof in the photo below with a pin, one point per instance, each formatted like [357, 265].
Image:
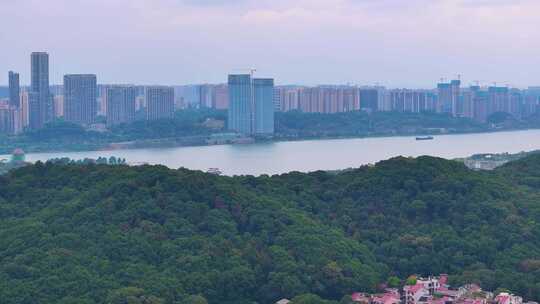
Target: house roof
[359, 296]
[415, 288]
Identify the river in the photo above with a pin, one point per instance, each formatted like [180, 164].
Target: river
[311, 155]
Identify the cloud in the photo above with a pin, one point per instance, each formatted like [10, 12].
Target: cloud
[395, 42]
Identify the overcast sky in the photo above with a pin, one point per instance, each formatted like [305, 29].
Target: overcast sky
[397, 43]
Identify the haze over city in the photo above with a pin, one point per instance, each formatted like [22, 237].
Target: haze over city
[269, 152]
[394, 43]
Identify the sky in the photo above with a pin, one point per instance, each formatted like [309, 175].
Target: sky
[397, 43]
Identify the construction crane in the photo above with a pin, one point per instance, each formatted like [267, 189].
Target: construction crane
[250, 70]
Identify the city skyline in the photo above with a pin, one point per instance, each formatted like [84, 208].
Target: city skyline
[305, 42]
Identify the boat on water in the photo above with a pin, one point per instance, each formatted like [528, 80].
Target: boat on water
[424, 138]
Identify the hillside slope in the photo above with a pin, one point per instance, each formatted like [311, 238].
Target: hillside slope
[106, 234]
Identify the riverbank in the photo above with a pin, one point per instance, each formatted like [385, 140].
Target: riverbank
[311, 155]
[194, 128]
[199, 141]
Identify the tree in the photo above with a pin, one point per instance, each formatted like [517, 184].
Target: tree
[394, 282]
[195, 299]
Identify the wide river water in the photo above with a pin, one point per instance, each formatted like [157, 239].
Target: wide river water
[311, 155]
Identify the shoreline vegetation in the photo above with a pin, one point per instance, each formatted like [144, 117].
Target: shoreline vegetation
[208, 127]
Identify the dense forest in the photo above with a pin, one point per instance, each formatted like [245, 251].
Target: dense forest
[192, 127]
[90, 233]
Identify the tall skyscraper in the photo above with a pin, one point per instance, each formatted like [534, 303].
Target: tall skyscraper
[159, 102]
[240, 104]
[40, 108]
[14, 90]
[251, 105]
[263, 96]
[121, 104]
[80, 100]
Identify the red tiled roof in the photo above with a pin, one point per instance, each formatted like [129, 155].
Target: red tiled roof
[416, 288]
[359, 296]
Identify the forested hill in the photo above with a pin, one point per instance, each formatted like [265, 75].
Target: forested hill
[117, 234]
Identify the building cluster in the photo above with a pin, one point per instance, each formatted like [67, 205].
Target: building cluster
[79, 100]
[473, 102]
[436, 290]
[250, 102]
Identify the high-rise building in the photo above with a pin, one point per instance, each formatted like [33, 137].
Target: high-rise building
[415, 101]
[325, 99]
[14, 90]
[213, 96]
[481, 106]
[121, 104]
[310, 100]
[263, 96]
[10, 119]
[369, 99]
[251, 105]
[531, 102]
[206, 94]
[351, 99]
[58, 106]
[240, 104]
[40, 101]
[80, 100]
[373, 98]
[449, 94]
[287, 97]
[159, 102]
[456, 108]
[221, 98]
[278, 96]
[24, 108]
